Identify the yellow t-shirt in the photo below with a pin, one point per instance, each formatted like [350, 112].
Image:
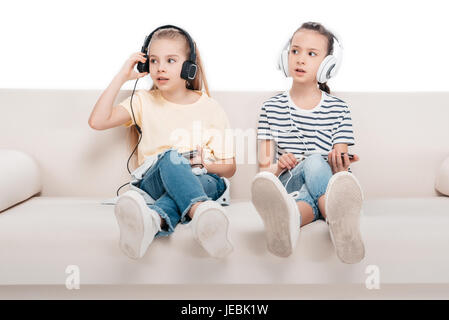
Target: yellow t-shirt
[168, 125]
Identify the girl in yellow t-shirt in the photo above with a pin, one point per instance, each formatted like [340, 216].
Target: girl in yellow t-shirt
[174, 117]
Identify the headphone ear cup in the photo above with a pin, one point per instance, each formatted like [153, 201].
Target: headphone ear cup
[144, 67]
[326, 69]
[283, 63]
[189, 70]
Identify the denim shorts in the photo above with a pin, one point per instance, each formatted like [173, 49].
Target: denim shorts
[173, 188]
[310, 178]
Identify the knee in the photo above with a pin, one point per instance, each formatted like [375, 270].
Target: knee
[172, 157]
[315, 164]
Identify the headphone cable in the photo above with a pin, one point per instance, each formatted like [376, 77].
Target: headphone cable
[140, 135]
[132, 110]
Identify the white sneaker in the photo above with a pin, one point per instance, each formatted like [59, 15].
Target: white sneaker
[138, 224]
[210, 228]
[279, 213]
[343, 204]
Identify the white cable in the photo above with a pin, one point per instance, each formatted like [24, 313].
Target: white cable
[288, 180]
[300, 139]
[290, 130]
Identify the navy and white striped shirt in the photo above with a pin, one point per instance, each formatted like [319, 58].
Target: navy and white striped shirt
[304, 132]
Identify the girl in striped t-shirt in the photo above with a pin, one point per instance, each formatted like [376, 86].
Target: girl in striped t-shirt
[307, 131]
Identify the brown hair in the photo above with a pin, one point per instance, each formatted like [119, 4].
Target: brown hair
[198, 83]
[318, 27]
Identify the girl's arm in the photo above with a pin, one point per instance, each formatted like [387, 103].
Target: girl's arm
[224, 168]
[105, 115]
[266, 157]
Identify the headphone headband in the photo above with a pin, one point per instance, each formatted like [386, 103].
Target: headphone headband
[192, 57]
[189, 67]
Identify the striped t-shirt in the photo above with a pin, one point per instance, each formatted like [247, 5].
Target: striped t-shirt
[304, 132]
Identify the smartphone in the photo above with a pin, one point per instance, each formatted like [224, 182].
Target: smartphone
[351, 156]
[190, 154]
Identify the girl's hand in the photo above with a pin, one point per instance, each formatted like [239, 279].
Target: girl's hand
[287, 161]
[127, 72]
[337, 164]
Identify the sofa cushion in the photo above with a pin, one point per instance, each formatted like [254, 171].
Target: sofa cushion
[20, 177]
[442, 178]
[406, 239]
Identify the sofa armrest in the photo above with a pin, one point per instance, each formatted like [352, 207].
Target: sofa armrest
[20, 177]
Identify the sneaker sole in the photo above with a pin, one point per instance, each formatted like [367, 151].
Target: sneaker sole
[211, 234]
[344, 217]
[271, 202]
[131, 225]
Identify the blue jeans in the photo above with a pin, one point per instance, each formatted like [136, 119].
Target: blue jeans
[175, 188]
[310, 177]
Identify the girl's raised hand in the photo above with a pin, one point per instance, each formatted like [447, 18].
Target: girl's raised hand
[127, 72]
[287, 161]
[338, 164]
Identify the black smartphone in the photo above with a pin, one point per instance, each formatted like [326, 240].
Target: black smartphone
[351, 156]
[190, 154]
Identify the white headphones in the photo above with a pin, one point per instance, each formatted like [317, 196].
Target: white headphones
[328, 67]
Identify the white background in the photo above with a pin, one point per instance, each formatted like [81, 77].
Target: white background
[388, 45]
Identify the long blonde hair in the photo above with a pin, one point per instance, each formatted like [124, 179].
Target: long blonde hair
[199, 83]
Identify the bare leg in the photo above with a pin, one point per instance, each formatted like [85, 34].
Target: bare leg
[306, 212]
[193, 208]
[321, 206]
[190, 213]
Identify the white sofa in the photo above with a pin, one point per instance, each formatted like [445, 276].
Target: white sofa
[401, 138]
